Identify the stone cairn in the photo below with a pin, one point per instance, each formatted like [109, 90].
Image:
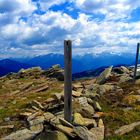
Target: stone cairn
[47, 121]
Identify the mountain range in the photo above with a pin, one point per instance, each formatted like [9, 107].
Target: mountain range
[79, 63]
[7, 66]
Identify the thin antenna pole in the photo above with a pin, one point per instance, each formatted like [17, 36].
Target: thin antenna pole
[136, 62]
[68, 80]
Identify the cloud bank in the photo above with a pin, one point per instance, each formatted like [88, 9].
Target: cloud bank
[37, 27]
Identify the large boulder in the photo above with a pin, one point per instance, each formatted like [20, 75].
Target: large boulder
[55, 72]
[104, 76]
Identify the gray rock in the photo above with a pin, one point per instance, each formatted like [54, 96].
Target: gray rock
[105, 88]
[37, 104]
[127, 109]
[24, 134]
[126, 128]
[80, 105]
[25, 114]
[92, 88]
[65, 123]
[48, 116]
[33, 116]
[125, 78]
[55, 121]
[121, 70]
[52, 135]
[138, 73]
[125, 69]
[37, 120]
[76, 93]
[98, 132]
[36, 124]
[60, 114]
[35, 71]
[37, 128]
[79, 120]
[66, 130]
[41, 88]
[84, 133]
[7, 119]
[92, 96]
[55, 72]
[26, 86]
[96, 89]
[57, 66]
[7, 127]
[104, 76]
[58, 96]
[97, 106]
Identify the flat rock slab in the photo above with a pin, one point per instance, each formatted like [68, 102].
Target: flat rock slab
[76, 94]
[126, 128]
[41, 89]
[84, 133]
[7, 127]
[52, 135]
[79, 120]
[66, 130]
[24, 134]
[104, 76]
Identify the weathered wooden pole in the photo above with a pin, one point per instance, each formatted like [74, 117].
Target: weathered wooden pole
[136, 62]
[68, 80]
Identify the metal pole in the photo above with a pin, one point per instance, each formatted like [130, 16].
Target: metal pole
[68, 80]
[136, 62]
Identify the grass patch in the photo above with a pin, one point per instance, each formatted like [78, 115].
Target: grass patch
[115, 116]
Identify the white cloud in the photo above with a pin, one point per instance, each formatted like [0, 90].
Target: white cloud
[112, 9]
[46, 4]
[11, 11]
[45, 33]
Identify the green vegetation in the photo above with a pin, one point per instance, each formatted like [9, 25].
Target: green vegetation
[116, 115]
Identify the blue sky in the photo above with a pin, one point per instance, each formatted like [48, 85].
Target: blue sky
[37, 27]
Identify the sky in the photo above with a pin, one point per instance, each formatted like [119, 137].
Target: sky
[38, 27]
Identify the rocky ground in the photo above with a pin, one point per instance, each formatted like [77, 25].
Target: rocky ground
[105, 107]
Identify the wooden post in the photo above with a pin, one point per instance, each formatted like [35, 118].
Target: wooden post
[67, 80]
[136, 62]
